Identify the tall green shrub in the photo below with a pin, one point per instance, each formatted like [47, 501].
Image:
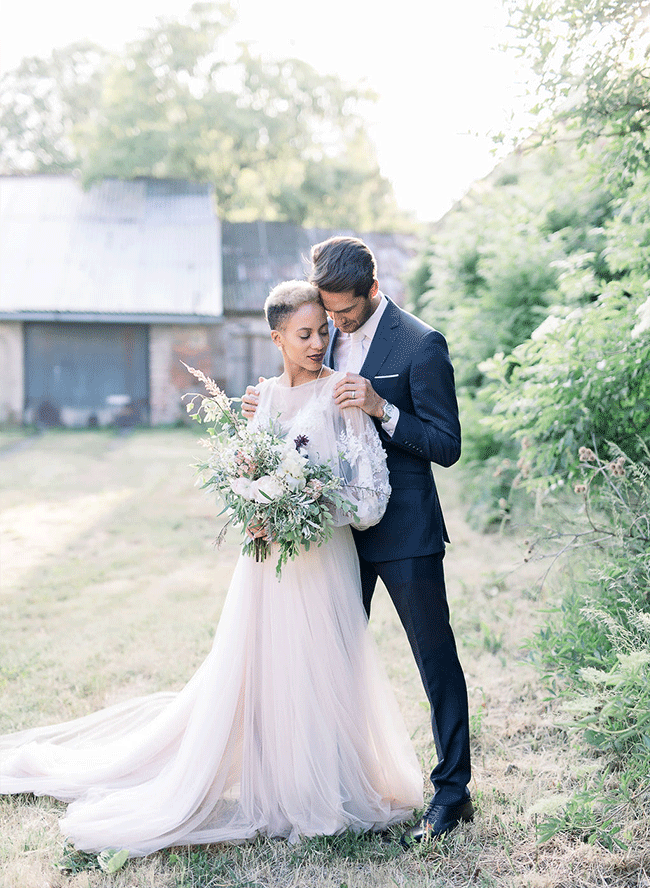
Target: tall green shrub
[595, 648]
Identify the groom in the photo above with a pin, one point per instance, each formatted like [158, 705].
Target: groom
[398, 371]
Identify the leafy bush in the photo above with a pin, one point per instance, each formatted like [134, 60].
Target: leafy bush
[582, 377]
[595, 650]
[532, 241]
[495, 261]
[583, 374]
[605, 617]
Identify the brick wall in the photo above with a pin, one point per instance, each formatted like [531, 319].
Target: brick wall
[12, 381]
[199, 346]
[234, 353]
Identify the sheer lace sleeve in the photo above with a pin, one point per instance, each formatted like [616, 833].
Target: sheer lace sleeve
[362, 466]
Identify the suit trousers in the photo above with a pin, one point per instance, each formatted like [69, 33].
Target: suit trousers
[417, 589]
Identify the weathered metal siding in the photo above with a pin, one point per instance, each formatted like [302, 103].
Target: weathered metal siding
[258, 255]
[144, 247]
[86, 374]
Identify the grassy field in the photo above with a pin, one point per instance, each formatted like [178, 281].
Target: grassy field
[111, 588]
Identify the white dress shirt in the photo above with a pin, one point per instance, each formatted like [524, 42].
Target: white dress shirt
[351, 349]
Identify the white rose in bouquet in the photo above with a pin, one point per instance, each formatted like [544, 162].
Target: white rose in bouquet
[268, 487]
[242, 487]
[293, 482]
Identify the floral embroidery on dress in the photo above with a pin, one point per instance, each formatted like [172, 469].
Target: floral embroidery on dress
[310, 418]
[365, 460]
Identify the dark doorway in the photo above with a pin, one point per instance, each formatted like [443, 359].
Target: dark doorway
[86, 374]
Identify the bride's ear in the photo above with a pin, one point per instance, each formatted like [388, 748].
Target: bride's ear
[277, 338]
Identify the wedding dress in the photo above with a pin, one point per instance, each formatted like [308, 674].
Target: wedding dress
[289, 728]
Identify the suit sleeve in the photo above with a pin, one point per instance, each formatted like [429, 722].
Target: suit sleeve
[433, 430]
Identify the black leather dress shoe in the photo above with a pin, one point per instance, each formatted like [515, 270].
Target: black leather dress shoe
[438, 820]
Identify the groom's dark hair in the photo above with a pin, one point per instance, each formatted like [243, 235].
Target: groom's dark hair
[342, 264]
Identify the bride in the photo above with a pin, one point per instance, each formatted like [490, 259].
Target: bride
[289, 728]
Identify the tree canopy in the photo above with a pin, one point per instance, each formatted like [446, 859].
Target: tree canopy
[539, 277]
[276, 139]
[592, 61]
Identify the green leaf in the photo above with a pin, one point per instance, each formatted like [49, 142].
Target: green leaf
[112, 859]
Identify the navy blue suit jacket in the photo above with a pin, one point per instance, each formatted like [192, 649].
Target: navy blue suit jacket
[408, 364]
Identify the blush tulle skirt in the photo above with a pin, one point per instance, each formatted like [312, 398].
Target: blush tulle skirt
[289, 728]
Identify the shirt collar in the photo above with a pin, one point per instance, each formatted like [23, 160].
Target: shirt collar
[370, 327]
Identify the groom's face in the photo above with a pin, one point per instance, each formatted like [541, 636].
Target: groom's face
[347, 311]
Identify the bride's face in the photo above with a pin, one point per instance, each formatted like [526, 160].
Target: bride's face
[303, 339]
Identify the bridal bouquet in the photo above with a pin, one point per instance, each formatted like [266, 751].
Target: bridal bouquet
[265, 481]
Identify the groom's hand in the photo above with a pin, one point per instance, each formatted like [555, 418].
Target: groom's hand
[356, 391]
[250, 400]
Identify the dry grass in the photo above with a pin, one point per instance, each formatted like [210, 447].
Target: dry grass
[111, 588]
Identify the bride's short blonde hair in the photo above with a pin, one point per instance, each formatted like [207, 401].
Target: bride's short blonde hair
[287, 298]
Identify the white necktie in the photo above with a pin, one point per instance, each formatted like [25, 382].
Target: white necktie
[355, 355]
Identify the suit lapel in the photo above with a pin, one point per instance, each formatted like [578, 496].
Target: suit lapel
[382, 341]
[329, 354]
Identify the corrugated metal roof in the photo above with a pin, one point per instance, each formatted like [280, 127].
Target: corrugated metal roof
[144, 246]
[259, 255]
[116, 317]
[256, 257]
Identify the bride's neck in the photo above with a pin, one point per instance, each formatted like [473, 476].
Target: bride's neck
[294, 376]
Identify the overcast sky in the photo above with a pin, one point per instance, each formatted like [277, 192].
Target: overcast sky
[443, 84]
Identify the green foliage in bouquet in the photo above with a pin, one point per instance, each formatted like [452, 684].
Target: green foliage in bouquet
[264, 481]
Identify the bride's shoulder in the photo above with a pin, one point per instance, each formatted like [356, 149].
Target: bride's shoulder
[269, 383]
[333, 377]
[266, 392]
[327, 384]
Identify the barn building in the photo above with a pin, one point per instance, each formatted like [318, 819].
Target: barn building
[105, 291]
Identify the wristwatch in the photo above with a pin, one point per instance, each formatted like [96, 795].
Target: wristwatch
[389, 413]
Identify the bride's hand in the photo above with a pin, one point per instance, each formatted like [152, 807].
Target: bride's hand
[257, 531]
[250, 400]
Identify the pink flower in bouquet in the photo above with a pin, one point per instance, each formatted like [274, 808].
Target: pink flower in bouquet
[314, 488]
